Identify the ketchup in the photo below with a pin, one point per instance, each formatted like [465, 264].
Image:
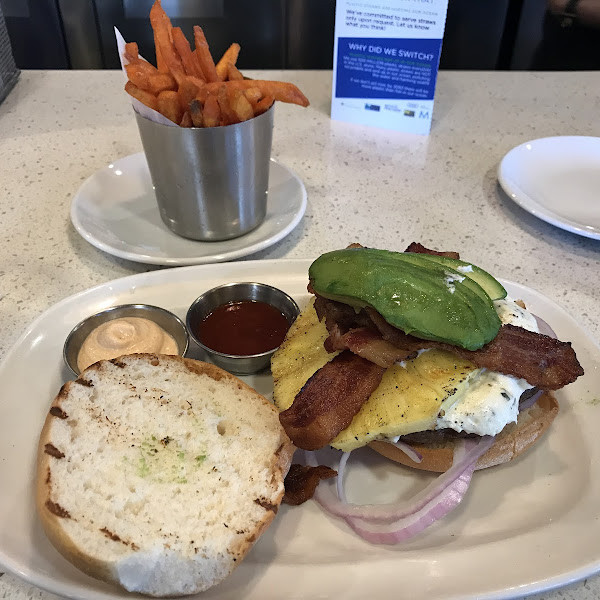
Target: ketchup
[243, 328]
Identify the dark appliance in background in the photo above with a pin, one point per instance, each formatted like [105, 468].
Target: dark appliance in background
[257, 25]
[35, 32]
[274, 34]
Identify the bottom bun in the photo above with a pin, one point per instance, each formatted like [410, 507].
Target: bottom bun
[512, 441]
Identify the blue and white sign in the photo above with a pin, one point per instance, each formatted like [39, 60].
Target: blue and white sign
[386, 57]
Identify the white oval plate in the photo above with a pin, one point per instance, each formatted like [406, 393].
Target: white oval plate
[115, 210]
[557, 179]
[526, 526]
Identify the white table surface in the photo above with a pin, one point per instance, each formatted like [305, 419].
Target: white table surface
[380, 188]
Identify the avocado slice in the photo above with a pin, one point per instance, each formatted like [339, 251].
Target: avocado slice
[492, 287]
[425, 298]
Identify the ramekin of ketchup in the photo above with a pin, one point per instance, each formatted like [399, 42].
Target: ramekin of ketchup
[240, 325]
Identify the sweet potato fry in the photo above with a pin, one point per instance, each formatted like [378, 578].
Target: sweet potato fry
[187, 92]
[204, 57]
[131, 52]
[211, 112]
[144, 97]
[233, 73]
[168, 105]
[186, 120]
[200, 83]
[202, 94]
[160, 62]
[138, 77]
[196, 113]
[160, 82]
[190, 64]
[162, 39]
[230, 57]
[228, 116]
[253, 94]
[263, 105]
[241, 106]
[141, 66]
[280, 90]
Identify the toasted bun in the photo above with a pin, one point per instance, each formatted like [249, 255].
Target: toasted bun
[512, 441]
[159, 473]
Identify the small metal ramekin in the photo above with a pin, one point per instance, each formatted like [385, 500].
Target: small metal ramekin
[162, 317]
[236, 292]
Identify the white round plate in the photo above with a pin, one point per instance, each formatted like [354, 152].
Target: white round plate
[116, 211]
[523, 527]
[557, 179]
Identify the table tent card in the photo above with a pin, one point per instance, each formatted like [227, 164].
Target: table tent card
[386, 57]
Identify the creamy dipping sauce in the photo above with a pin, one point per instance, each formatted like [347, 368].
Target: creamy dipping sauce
[127, 335]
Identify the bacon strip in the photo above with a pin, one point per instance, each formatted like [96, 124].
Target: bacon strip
[369, 344]
[329, 400]
[542, 361]
[420, 249]
[302, 481]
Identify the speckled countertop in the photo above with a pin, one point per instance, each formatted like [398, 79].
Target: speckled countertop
[381, 188]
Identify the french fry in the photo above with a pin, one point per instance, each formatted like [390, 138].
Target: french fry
[228, 116]
[190, 64]
[241, 105]
[204, 57]
[187, 92]
[161, 25]
[131, 52]
[141, 66]
[144, 97]
[189, 89]
[168, 105]
[160, 62]
[200, 83]
[233, 73]
[230, 57]
[160, 82]
[196, 113]
[253, 94]
[186, 120]
[211, 112]
[263, 105]
[137, 76]
[280, 90]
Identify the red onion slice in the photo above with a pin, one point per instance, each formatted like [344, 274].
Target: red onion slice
[530, 401]
[341, 492]
[544, 328]
[466, 455]
[409, 526]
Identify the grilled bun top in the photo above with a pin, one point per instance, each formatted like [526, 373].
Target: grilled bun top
[159, 473]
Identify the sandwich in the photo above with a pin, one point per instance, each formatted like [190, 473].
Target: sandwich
[159, 473]
[424, 358]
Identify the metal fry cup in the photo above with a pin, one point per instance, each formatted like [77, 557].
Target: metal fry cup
[210, 183]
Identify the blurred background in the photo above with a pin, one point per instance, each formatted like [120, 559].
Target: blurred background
[293, 34]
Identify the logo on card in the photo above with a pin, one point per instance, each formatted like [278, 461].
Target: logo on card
[374, 107]
[409, 113]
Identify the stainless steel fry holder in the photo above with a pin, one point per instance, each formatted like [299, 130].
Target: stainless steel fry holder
[211, 183]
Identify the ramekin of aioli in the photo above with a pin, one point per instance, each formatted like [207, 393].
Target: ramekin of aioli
[125, 329]
[127, 335]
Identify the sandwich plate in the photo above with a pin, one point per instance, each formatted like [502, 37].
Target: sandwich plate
[530, 525]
